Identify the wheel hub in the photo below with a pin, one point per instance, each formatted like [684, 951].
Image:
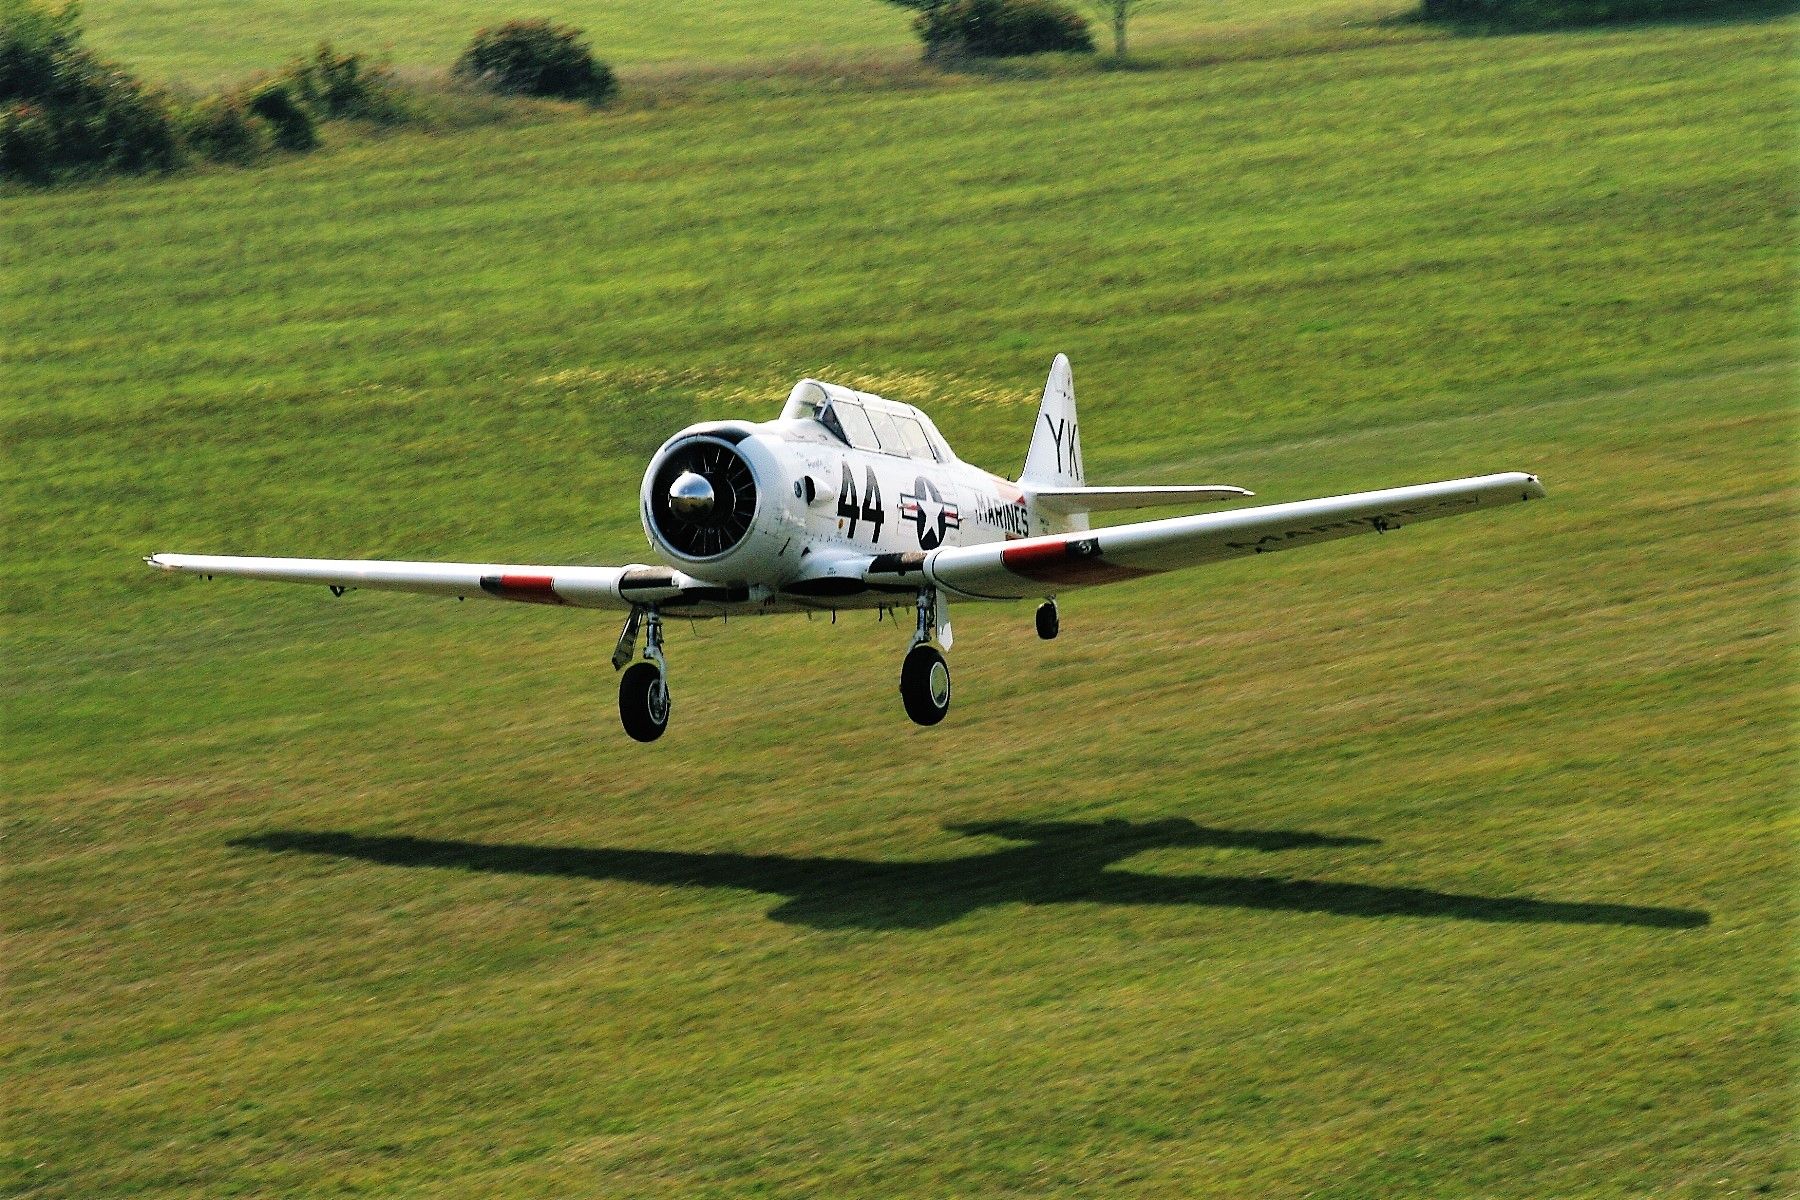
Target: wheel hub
[940, 684]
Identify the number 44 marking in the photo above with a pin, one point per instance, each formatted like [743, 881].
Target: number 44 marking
[870, 508]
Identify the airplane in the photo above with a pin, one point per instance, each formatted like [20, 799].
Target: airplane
[851, 501]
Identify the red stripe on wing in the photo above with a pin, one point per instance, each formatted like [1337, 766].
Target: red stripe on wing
[532, 589]
[1071, 562]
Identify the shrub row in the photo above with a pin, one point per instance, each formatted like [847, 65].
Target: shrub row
[283, 112]
[63, 110]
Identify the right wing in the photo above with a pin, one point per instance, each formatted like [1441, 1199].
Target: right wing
[581, 587]
[1041, 565]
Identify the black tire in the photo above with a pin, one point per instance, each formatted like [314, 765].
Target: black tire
[1047, 621]
[925, 684]
[644, 701]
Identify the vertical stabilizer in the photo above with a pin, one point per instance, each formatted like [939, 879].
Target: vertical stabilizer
[1054, 459]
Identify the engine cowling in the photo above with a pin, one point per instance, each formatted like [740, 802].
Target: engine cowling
[712, 504]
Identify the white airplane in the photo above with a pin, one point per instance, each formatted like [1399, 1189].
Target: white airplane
[850, 501]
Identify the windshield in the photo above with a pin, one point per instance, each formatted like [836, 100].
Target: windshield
[856, 424]
[866, 422]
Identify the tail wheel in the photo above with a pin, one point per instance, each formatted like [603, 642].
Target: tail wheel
[925, 684]
[1047, 622]
[644, 701]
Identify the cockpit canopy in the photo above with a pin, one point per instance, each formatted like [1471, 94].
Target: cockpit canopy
[866, 421]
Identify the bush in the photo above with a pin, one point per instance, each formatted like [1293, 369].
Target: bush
[335, 86]
[222, 129]
[38, 49]
[1546, 14]
[27, 143]
[131, 127]
[999, 28]
[63, 109]
[289, 123]
[536, 58]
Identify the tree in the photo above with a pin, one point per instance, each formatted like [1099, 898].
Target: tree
[1118, 13]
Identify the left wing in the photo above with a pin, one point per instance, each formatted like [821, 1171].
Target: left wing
[582, 587]
[1042, 565]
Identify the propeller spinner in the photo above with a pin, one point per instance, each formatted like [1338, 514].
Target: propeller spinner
[691, 497]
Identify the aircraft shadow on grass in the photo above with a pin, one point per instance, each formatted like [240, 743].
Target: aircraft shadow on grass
[1057, 863]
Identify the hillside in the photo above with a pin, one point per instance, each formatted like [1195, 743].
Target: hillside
[1452, 863]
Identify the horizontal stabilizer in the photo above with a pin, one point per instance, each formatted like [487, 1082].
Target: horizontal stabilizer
[1069, 500]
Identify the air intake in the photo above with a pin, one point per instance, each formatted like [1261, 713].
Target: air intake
[703, 498]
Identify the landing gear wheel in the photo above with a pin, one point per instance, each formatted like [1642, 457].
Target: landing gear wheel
[1047, 621]
[644, 701]
[925, 684]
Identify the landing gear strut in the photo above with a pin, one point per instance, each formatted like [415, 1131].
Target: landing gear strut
[1047, 621]
[644, 688]
[925, 676]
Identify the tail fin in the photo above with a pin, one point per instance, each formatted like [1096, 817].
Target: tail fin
[1054, 459]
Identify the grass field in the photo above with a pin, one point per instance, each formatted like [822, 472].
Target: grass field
[1456, 863]
[201, 41]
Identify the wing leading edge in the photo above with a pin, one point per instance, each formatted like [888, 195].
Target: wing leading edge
[1041, 565]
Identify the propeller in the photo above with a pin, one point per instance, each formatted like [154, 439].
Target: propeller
[704, 498]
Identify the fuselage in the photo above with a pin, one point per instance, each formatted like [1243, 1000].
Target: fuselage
[840, 477]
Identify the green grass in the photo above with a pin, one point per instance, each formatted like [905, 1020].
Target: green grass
[1487, 890]
[201, 41]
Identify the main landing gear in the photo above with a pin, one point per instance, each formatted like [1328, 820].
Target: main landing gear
[644, 687]
[925, 675]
